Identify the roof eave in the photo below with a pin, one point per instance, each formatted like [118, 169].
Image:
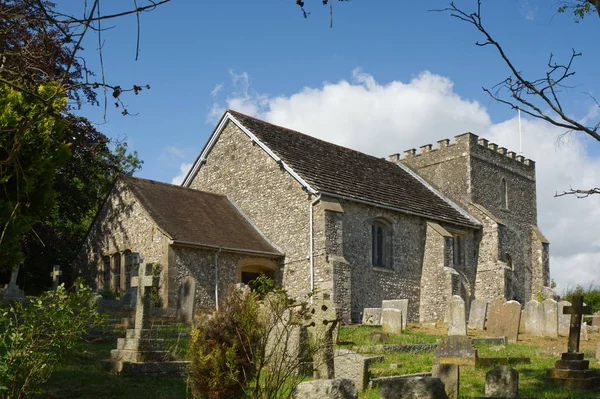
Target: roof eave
[183, 243]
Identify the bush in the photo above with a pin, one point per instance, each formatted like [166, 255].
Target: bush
[591, 295]
[36, 338]
[224, 347]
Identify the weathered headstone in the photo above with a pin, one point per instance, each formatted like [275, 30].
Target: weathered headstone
[502, 382]
[287, 348]
[504, 319]
[325, 323]
[187, 300]
[400, 304]
[12, 290]
[412, 388]
[338, 388]
[55, 273]
[456, 317]
[477, 314]
[534, 318]
[550, 318]
[455, 349]
[596, 319]
[584, 332]
[371, 316]
[450, 376]
[564, 320]
[391, 320]
[572, 370]
[353, 366]
[379, 336]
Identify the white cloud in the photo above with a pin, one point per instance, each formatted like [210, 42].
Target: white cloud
[172, 154]
[381, 119]
[184, 168]
[216, 90]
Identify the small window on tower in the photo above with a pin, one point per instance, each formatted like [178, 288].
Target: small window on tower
[503, 194]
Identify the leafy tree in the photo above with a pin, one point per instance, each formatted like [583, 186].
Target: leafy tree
[31, 149]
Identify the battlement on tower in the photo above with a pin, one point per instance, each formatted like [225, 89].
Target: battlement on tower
[480, 146]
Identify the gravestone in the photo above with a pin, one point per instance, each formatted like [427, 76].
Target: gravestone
[534, 318]
[379, 336]
[371, 316]
[572, 370]
[596, 319]
[584, 332]
[550, 318]
[391, 320]
[502, 382]
[400, 304]
[140, 352]
[338, 388]
[455, 349]
[55, 273]
[564, 320]
[288, 349]
[325, 323]
[450, 376]
[477, 314]
[504, 319]
[186, 300]
[412, 388]
[353, 366]
[12, 290]
[457, 324]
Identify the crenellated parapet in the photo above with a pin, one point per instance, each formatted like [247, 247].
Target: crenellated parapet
[480, 146]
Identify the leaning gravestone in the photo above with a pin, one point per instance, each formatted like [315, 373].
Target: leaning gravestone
[534, 318]
[187, 300]
[456, 317]
[450, 376]
[550, 318]
[412, 388]
[477, 314]
[502, 382]
[494, 319]
[353, 366]
[371, 316]
[12, 290]
[399, 304]
[338, 388]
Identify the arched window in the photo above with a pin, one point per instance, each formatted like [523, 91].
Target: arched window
[117, 272]
[127, 271]
[503, 194]
[381, 244]
[106, 272]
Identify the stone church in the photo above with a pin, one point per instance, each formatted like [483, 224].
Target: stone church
[457, 219]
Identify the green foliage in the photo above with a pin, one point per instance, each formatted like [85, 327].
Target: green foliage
[591, 295]
[539, 297]
[36, 338]
[580, 8]
[552, 284]
[31, 149]
[223, 348]
[264, 285]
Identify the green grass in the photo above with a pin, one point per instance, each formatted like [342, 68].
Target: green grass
[82, 377]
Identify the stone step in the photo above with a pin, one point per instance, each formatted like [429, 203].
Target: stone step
[580, 374]
[139, 356]
[153, 369]
[141, 333]
[145, 344]
[572, 364]
[572, 356]
[576, 383]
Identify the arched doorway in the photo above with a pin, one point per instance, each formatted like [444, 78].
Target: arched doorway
[251, 268]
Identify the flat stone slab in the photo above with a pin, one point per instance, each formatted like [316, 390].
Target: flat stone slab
[490, 340]
[378, 380]
[413, 388]
[412, 348]
[125, 355]
[455, 349]
[338, 388]
[484, 362]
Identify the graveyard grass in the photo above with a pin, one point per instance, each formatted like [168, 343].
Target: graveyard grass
[83, 377]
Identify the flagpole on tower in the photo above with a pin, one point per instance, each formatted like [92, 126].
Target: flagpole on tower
[520, 135]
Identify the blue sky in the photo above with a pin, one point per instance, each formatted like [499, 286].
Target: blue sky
[403, 75]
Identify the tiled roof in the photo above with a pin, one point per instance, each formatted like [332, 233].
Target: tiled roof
[331, 168]
[196, 216]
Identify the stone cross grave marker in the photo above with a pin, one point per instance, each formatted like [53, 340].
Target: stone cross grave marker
[577, 310]
[325, 323]
[144, 282]
[55, 273]
[11, 290]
